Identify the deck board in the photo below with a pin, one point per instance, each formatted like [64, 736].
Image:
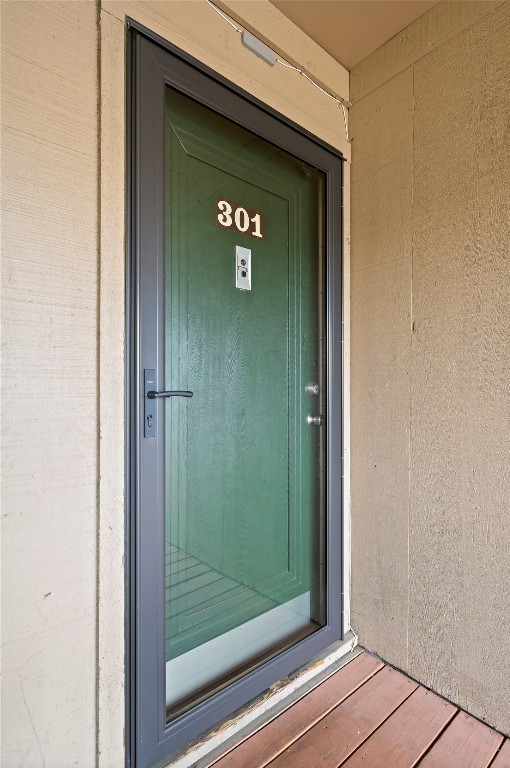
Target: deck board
[406, 735]
[368, 715]
[467, 743]
[340, 733]
[258, 750]
[503, 758]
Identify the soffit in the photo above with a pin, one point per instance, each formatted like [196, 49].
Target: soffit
[350, 30]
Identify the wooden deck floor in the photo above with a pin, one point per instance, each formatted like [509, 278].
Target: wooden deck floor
[368, 715]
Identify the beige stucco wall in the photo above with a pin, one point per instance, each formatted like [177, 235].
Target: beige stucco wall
[63, 186]
[430, 126]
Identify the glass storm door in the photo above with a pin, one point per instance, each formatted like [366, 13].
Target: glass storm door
[232, 375]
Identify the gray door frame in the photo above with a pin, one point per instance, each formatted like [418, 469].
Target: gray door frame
[152, 64]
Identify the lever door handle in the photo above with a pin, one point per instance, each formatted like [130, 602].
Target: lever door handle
[151, 394]
[150, 412]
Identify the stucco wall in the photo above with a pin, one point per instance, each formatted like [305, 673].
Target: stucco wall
[49, 398]
[430, 354]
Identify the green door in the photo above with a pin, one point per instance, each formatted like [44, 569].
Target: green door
[243, 279]
[235, 421]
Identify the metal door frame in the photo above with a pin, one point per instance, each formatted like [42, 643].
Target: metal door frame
[153, 63]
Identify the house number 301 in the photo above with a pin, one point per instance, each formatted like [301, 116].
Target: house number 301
[236, 217]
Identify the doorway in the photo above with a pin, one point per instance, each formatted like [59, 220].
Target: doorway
[236, 420]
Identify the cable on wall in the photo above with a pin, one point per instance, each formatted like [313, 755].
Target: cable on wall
[264, 52]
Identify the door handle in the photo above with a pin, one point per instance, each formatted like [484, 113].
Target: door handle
[149, 410]
[151, 394]
[315, 421]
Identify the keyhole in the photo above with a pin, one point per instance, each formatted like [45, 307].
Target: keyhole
[149, 420]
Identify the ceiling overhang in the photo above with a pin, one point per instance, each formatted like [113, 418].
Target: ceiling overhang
[350, 30]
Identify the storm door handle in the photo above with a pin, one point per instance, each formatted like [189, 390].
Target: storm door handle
[172, 393]
[149, 408]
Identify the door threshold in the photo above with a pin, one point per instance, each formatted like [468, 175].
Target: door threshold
[268, 705]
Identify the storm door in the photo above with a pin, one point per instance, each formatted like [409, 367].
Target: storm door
[232, 372]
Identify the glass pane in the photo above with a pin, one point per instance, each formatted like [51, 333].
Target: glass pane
[244, 328]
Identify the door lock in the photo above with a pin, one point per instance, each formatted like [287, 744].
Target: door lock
[315, 421]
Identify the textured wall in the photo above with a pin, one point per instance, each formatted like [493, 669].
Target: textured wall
[431, 352]
[49, 425]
